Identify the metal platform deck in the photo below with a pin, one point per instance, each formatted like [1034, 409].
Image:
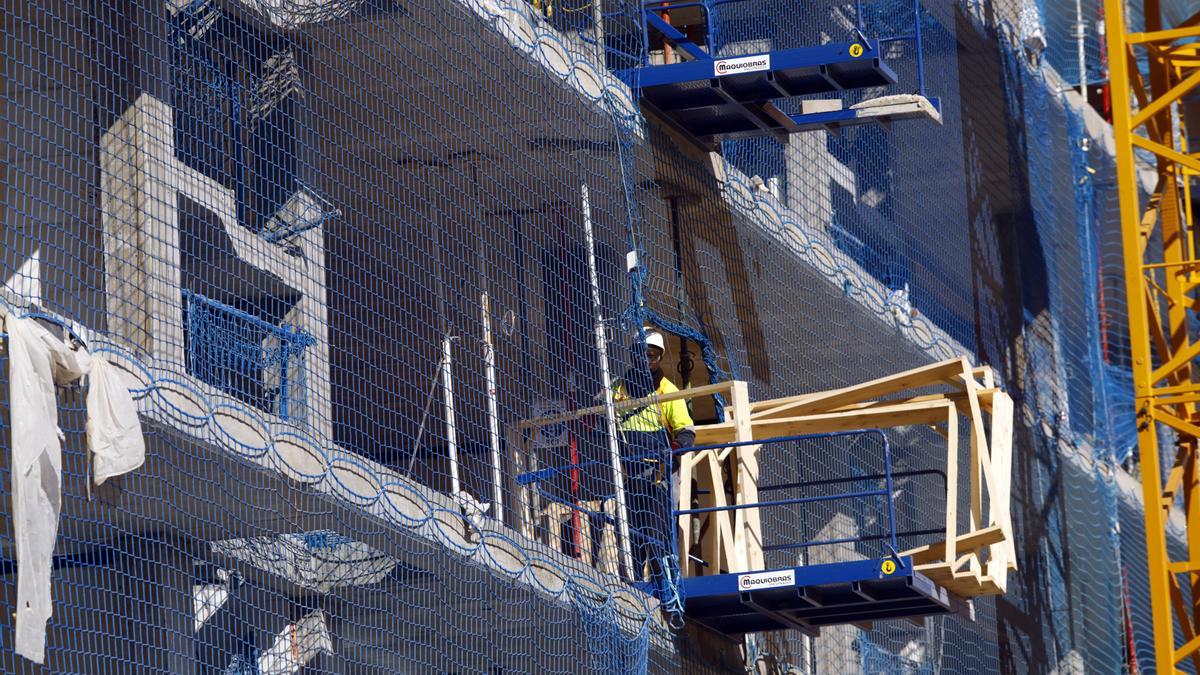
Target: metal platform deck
[713, 99]
[806, 598]
[725, 99]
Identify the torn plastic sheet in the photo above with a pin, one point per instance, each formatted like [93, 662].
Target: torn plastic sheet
[38, 362]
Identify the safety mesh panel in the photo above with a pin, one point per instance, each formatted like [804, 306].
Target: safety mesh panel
[357, 261]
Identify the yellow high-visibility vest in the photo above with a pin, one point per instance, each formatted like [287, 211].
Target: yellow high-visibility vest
[673, 415]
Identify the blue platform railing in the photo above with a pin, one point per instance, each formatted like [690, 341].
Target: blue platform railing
[883, 494]
[871, 490]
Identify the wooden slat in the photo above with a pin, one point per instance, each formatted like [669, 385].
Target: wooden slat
[916, 378]
[684, 523]
[747, 522]
[719, 545]
[951, 540]
[1002, 430]
[971, 541]
[985, 399]
[907, 414]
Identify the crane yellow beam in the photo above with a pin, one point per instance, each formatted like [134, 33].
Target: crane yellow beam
[1160, 256]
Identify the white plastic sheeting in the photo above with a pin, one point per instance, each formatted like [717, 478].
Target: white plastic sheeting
[114, 433]
[320, 560]
[39, 361]
[298, 644]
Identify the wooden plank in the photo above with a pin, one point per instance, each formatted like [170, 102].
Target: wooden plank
[882, 416]
[964, 585]
[587, 552]
[710, 538]
[683, 394]
[747, 522]
[684, 523]
[951, 540]
[924, 376]
[981, 468]
[985, 397]
[609, 553]
[722, 524]
[975, 467]
[757, 407]
[986, 375]
[723, 454]
[524, 515]
[942, 573]
[718, 544]
[980, 452]
[971, 541]
[1002, 431]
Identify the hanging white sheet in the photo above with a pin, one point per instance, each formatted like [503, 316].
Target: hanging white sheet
[38, 361]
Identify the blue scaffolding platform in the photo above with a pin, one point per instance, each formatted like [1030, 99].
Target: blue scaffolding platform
[879, 584]
[717, 99]
[806, 598]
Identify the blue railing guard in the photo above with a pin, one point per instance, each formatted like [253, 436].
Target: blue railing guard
[885, 493]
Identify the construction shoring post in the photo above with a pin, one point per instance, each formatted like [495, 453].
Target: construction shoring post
[598, 28]
[447, 365]
[448, 404]
[610, 414]
[524, 453]
[1174, 261]
[489, 364]
[1080, 36]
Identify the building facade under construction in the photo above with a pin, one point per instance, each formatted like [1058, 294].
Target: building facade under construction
[327, 323]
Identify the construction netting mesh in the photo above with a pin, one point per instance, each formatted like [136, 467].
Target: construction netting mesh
[358, 262]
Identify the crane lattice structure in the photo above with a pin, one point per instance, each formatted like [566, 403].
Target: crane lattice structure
[1153, 72]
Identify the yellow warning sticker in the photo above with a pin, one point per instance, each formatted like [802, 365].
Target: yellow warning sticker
[888, 567]
[856, 50]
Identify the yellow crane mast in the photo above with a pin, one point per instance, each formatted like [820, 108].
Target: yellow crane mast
[1152, 72]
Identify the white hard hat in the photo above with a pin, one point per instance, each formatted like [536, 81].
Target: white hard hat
[655, 339]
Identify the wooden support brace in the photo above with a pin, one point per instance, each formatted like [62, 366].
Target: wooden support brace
[971, 541]
[916, 378]
[683, 524]
[525, 509]
[926, 412]
[747, 522]
[984, 396]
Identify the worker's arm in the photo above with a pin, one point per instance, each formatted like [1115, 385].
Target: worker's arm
[680, 423]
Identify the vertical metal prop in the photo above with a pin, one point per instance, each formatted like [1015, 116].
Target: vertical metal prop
[489, 363]
[598, 27]
[1080, 36]
[610, 413]
[448, 402]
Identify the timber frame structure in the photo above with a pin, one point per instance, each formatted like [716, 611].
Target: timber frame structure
[1162, 276]
[972, 558]
[970, 561]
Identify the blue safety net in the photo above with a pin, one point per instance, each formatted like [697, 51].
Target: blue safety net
[377, 275]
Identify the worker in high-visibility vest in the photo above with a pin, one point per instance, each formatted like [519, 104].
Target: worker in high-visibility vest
[648, 435]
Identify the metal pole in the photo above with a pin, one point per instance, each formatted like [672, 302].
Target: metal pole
[489, 361]
[610, 414]
[1080, 35]
[920, 46]
[448, 402]
[598, 28]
